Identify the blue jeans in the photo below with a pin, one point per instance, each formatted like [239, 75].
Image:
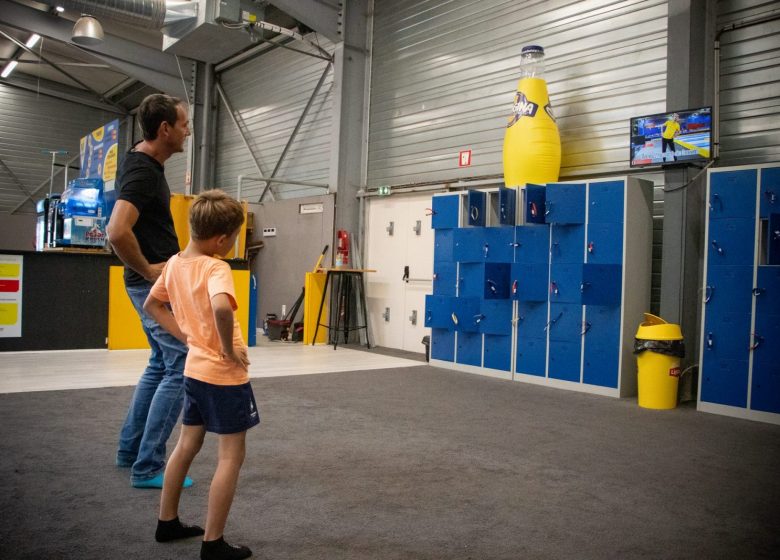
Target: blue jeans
[157, 400]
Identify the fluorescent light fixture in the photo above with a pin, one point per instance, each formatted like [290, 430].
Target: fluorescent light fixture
[33, 40]
[8, 69]
[60, 9]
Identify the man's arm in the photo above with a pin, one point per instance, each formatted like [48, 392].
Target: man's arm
[123, 240]
[223, 317]
[160, 313]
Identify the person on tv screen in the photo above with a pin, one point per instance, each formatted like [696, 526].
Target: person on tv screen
[669, 130]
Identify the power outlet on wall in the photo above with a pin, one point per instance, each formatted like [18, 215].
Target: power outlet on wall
[269, 232]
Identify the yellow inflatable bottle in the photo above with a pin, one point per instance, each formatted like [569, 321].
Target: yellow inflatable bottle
[532, 145]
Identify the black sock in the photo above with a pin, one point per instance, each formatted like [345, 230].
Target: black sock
[174, 529]
[220, 550]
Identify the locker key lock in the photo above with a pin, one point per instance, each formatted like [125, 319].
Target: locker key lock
[492, 286]
[486, 249]
[717, 247]
[758, 339]
[534, 210]
[591, 246]
[514, 287]
[478, 318]
[583, 286]
[708, 291]
[554, 288]
[710, 342]
[771, 196]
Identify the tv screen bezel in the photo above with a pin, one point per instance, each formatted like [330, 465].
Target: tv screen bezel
[698, 159]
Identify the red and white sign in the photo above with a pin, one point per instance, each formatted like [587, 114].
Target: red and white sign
[464, 158]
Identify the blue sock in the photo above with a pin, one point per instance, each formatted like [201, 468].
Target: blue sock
[157, 482]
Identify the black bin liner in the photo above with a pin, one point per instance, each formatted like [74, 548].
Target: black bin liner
[668, 347]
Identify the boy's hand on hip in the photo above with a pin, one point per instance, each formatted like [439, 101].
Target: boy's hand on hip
[238, 356]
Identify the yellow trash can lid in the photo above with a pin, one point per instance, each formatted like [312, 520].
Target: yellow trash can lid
[655, 328]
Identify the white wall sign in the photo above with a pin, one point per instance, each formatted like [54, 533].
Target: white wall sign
[313, 208]
[10, 296]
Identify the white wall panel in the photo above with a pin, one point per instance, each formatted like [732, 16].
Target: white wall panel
[444, 76]
[269, 93]
[30, 123]
[749, 84]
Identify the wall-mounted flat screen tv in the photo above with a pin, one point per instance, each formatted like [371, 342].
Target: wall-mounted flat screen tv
[671, 138]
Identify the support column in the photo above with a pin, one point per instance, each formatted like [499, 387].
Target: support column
[202, 128]
[689, 84]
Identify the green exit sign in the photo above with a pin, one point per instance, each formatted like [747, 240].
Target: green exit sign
[383, 190]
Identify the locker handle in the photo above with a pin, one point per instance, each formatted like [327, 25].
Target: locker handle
[757, 340]
[478, 318]
[474, 213]
[492, 286]
[486, 249]
[534, 210]
[514, 287]
[547, 208]
[454, 318]
[758, 291]
[717, 247]
[514, 244]
[585, 327]
[503, 212]
[708, 291]
[551, 322]
[776, 234]
[427, 316]
[710, 341]
[554, 288]
[430, 212]
[591, 246]
[583, 286]
[720, 202]
[771, 196]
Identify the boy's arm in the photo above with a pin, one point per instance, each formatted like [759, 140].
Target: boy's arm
[160, 313]
[223, 317]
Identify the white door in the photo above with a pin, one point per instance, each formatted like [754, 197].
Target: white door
[419, 259]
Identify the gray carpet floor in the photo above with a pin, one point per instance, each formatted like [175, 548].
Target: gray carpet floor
[416, 463]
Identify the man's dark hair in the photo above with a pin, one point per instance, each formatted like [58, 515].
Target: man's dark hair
[154, 110]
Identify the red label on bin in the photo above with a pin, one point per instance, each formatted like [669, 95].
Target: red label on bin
[674, 372]
[9, 285]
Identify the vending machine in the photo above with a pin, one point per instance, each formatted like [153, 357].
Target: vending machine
[82, 212]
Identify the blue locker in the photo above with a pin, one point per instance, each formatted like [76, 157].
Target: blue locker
[770, 191]
[496, 316]
[605, 202]
[724, 381]
[530, 282]
[498, 244]
[468, 245]
[535, 198]
[729, 288]
[442, 345]
[565, 358]
[566, 283]
[498, 352]
[484, 280]
[768, 289]
[727, 337]
[531, 356]
[469, 349]
[601, 284]
[731, 242]
[507, 206]
[466, 314]
[443, 245]
[476, 205]
[445, 276]
[565, 203]
[567, 244]
[604, 243]
[565, 321]
[765, 393]
[446, 211]
[602, 345]
[733, 194]
[773, 240]
[531, 320]
[438, 311]
[532, 244]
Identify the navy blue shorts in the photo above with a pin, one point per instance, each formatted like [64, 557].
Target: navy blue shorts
[221, 409]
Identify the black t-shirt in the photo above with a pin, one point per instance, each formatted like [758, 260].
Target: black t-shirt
[141, 182]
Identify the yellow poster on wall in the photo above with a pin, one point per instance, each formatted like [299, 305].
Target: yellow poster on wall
[11, 269]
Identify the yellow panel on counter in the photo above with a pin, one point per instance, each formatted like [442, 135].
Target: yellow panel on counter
[124, 326]
[314, 285]
[180, 210]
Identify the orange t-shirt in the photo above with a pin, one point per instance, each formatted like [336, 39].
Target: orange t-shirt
[189, 284]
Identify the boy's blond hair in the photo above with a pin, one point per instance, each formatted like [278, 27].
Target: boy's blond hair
[215, 213]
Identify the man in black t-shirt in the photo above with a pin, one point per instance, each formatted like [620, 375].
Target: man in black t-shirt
[142, 234]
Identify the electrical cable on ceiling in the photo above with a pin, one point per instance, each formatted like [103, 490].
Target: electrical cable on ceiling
[183, 83]
[689, 183]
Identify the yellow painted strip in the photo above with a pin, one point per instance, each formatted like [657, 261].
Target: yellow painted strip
[314, 285]
[9, 270]
[9, 313]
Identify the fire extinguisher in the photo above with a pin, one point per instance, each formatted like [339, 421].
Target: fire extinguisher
[342, 248]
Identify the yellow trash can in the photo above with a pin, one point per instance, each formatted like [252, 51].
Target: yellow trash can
[659, 347]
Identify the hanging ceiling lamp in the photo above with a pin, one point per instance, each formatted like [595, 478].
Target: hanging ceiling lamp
[87, 31]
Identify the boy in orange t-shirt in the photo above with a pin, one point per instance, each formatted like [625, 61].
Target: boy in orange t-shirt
[218, 396]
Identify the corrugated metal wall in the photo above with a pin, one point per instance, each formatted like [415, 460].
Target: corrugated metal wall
[30, 123]
[444, 76]
[269, 93]
[749, 84]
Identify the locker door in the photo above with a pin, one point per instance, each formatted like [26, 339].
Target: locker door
[469, 349]
[498, 352]
[419, 258]
[532, 244]
[770, 191]
[534, 204]
[728, 288]
[443, 245]
[765, 393]
[476, 207]
[567, 244]
[531, 356]
[605, 202]
[602, 345]
[733, 194]
[604, 243]
[531, 320]
[725, 362]
[565, 203]
[565, 321]
[507, 206]
[499, 244]
[443, 345]
[438, 312]
[468, 245]
[446, 211]
[773, 240]
[444, 278]
[566, 283]
[530, 282]
[601, 284]
[731, 242]
[768, 289]
[565, 360]
[496, 317]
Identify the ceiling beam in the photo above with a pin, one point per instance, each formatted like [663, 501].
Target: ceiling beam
[58, 90]
[321, 16]
[148, 65]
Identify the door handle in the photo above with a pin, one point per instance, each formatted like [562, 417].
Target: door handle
[413, 317]
[405, 277]
[386, 315]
